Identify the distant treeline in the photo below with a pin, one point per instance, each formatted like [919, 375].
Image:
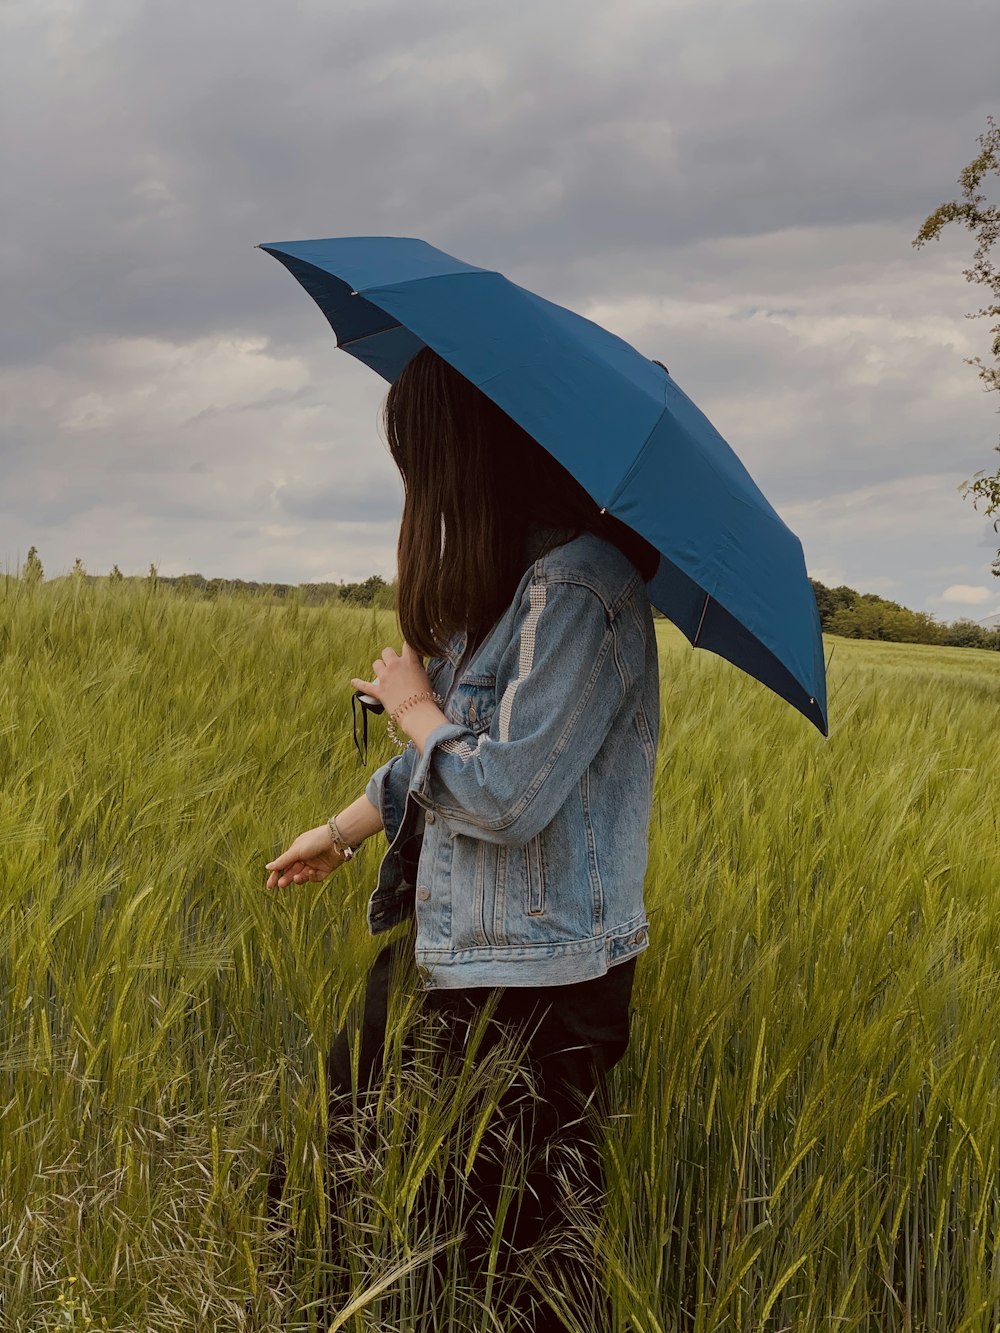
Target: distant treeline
[865, 615]
[374, 591]
[843, 610]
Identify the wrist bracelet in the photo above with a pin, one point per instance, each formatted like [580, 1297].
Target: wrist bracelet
[394, 715]
[345, 851]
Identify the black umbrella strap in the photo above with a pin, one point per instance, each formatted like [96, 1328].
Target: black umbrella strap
[364, 727]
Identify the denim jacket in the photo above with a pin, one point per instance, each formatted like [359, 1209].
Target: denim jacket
[520, 837]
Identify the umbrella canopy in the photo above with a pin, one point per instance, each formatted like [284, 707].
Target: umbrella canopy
[732, 576]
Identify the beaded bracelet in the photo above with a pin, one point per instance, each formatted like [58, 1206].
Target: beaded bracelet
[345, 850]
[394, 715]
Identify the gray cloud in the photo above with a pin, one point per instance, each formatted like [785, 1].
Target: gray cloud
[333, 503]
[159, 152]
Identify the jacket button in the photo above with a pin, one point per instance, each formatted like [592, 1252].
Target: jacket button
[423, 894]
[472, 712]
[429, 817]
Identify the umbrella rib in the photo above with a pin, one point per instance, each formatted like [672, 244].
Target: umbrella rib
[697, 633]
[633, 466]
[362, 337]
[366, 292]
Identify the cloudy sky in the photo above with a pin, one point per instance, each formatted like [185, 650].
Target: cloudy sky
[731, 186]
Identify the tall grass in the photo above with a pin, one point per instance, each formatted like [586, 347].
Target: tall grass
[805, 1129]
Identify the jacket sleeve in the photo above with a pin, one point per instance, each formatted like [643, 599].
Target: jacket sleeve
[387, 788]
[562, 686]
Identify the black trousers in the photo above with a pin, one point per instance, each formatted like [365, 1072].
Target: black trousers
[569, 1038]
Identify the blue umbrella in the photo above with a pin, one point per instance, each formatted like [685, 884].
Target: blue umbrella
[732, 576]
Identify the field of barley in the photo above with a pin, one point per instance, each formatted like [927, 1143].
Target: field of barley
[805, 1130]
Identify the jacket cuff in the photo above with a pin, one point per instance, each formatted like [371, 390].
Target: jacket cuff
[420, 779]
[388, 802]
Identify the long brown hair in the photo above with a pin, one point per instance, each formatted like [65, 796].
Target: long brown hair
[473, 483]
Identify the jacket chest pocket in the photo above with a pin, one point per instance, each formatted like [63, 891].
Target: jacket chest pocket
[473, 702]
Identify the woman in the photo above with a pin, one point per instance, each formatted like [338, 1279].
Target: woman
[517, 816]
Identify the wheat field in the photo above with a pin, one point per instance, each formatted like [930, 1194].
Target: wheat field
[804, 1132]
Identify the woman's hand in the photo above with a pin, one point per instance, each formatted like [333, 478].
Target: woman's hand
[310, 858]
[396, 678]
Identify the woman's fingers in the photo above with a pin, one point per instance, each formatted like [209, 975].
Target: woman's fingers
[396, 677]
[288, 863]
[296, 874]
[389, 655]
[284, 867]
[379, 667]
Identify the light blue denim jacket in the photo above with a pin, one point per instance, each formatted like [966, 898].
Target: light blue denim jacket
[520, 836]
